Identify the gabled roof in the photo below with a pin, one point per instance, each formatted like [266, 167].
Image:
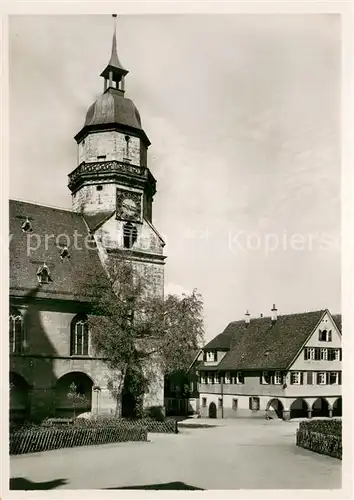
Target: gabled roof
[337, 318]
[52, 230]
[262, 345]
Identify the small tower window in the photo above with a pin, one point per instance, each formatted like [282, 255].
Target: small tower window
[127, 141]
[27, 226]
[43, 275]
[99, 191]
[130, 234]
[101, 157]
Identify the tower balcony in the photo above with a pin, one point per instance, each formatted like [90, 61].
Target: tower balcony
[113, 170]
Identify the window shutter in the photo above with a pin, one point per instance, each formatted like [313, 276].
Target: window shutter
[328, 378]
[306, 354]
[319, 334]
[301, 378]
[330, 336]
[317, 354]
[340, 354]
[317, 378]
[309, 378]
[330, 354]
[340, 378]
[250, 403]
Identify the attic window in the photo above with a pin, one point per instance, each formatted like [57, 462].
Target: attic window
[99, 188]
[27, 226]
[101, 157]
[64, 254]
[43, 275]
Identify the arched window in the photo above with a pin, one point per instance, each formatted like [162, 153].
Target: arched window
[16, 331]
[79, 336]
[130, 234]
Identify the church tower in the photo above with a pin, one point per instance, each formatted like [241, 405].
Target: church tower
[112, 185]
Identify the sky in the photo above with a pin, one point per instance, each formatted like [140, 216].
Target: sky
[243, 113]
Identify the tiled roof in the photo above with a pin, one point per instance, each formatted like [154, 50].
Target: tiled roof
[94, 221]
[52, 230]
[262, 345]
[338, 321]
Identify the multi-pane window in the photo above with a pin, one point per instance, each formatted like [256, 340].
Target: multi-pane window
[16, 332]
[324, 354]
[211, 356]
[79, 336]
[227, 378]
[295, 378]
[265, 378]
[336, 354]
[254, 403]
[278, 379]
[310, 353]
[203, 378]
[234, 404]
[216, 378]
[239, 378]
[210, 378]
[334, 378]
[325, 335]
[321, 378]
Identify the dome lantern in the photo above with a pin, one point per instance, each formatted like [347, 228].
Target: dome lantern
[114, 73]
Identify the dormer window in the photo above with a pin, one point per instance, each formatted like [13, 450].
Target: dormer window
[43, 275]
[27, 226]
[130, 235]
[64, 254]
[265, 378]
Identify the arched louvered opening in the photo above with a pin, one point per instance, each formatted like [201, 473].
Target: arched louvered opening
[130, 234]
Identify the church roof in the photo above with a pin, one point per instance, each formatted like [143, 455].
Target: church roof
[263, 345]
[52, 230]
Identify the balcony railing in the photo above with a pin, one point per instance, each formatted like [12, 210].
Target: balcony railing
[107, 167]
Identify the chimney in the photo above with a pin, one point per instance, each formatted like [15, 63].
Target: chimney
[274, 314]
[247, 317]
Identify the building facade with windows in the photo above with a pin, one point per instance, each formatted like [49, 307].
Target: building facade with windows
[53, 251]
[279, 366]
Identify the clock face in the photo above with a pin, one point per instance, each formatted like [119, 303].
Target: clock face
[128, 205]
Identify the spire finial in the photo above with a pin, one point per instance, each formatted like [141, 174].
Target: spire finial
[114, 71]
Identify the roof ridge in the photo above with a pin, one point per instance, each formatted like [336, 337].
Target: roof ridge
[43, 205]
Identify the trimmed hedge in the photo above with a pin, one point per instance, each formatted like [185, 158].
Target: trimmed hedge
[321, 436]
[36, 439]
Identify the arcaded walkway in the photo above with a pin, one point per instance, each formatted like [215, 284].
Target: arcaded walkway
[239, 454]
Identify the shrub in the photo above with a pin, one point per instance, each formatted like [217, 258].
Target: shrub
[332, 427]
[321, 436]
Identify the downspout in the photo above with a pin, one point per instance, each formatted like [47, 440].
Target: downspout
[222, 395]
